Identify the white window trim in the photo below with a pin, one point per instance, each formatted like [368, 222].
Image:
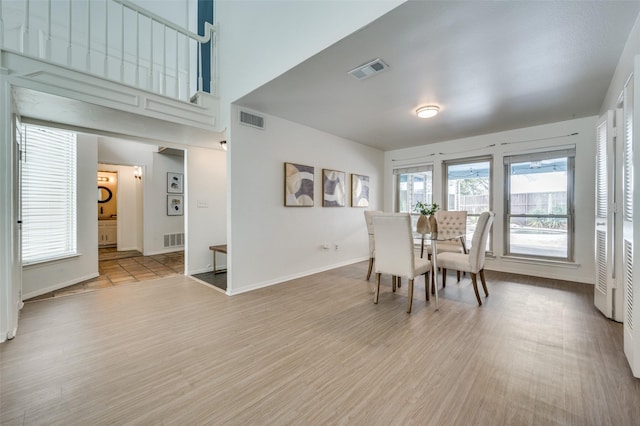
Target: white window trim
[570, 154]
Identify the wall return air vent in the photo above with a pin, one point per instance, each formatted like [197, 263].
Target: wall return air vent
[369, 69]
[251, 120]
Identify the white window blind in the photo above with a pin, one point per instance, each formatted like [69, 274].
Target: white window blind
[48, 194]
[628, 152]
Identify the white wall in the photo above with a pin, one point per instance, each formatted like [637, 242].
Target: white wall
[270, 243]
[508, 143]
[10, 266]
[44, 277]
[624, 68]
[155, 166]
[206, 207]
[274, 36]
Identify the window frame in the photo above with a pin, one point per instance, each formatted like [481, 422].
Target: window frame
[569, 154]
[421, 168]
[445, 189]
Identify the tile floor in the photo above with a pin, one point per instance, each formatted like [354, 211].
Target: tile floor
[117, 268]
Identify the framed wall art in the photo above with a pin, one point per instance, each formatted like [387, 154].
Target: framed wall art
[175, 205]
[333, 188]
[359, 190]
[175, 183]
[298, 185]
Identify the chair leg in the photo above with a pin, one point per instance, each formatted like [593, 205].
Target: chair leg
[484, 283]
[377, 292]
[410, 295]
[393, 283]
[399, 282]
[458, 273]
[475, 287]
[370, 268]
[426, 285]
[444, 278]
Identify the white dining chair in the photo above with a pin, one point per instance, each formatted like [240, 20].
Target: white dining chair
[395, 254]
[453, 222]
[473, 262]
[368, 216]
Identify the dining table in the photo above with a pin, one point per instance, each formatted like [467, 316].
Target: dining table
[434, 237]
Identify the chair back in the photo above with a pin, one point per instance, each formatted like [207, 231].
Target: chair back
[394, 244]
[452, 221]
[479, 241]
[368, 217]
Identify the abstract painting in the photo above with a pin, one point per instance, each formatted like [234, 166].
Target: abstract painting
[298, 185]
[359, 190]
[174, 183]
[175, 205]
[333, 188]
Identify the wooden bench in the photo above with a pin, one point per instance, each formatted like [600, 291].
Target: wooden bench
[218, 249]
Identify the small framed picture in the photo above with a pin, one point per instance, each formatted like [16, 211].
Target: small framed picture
[175, 205]
[359, 190]
[333, 188]
[175, 183]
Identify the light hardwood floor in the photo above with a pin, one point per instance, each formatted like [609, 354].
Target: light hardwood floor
[317, 351]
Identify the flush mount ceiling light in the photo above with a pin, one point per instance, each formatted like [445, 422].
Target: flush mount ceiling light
[428, 111]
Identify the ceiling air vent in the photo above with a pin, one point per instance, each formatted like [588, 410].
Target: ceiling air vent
[369, 69]
[251, 120]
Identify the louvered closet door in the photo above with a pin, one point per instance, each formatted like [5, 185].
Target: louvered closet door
[605, 179]
[630, 281]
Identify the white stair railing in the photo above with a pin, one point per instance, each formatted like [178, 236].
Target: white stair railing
[114, 39]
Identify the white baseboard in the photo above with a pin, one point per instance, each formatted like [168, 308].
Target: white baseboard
[58, 286]
[285, 278]
[199, 271]
[163, 251]
[129, 249]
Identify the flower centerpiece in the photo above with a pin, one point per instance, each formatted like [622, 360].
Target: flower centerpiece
[427, 221]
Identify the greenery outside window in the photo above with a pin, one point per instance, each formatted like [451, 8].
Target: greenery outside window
[539, 200]
[413, 184]
[468, 187]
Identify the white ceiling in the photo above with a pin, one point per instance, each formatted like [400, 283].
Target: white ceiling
[490, 66]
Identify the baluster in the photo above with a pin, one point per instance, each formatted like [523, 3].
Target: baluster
[199, 67]
[47, 53]
[150, 83]
[25, 28]
[137, 49]
[106, 38]
[177, 76]
[212, 62]
[69, 36]
[88, 36]
[187, 65]
[122, 44]
[164, 59]
[1, 28]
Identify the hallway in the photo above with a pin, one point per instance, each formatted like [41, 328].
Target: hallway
[117, 268]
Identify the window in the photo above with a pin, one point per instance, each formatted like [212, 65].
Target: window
[413, 184]
[468, 187]
[48, 194]
[539, 204]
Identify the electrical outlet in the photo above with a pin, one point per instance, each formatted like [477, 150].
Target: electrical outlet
[336, 247]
